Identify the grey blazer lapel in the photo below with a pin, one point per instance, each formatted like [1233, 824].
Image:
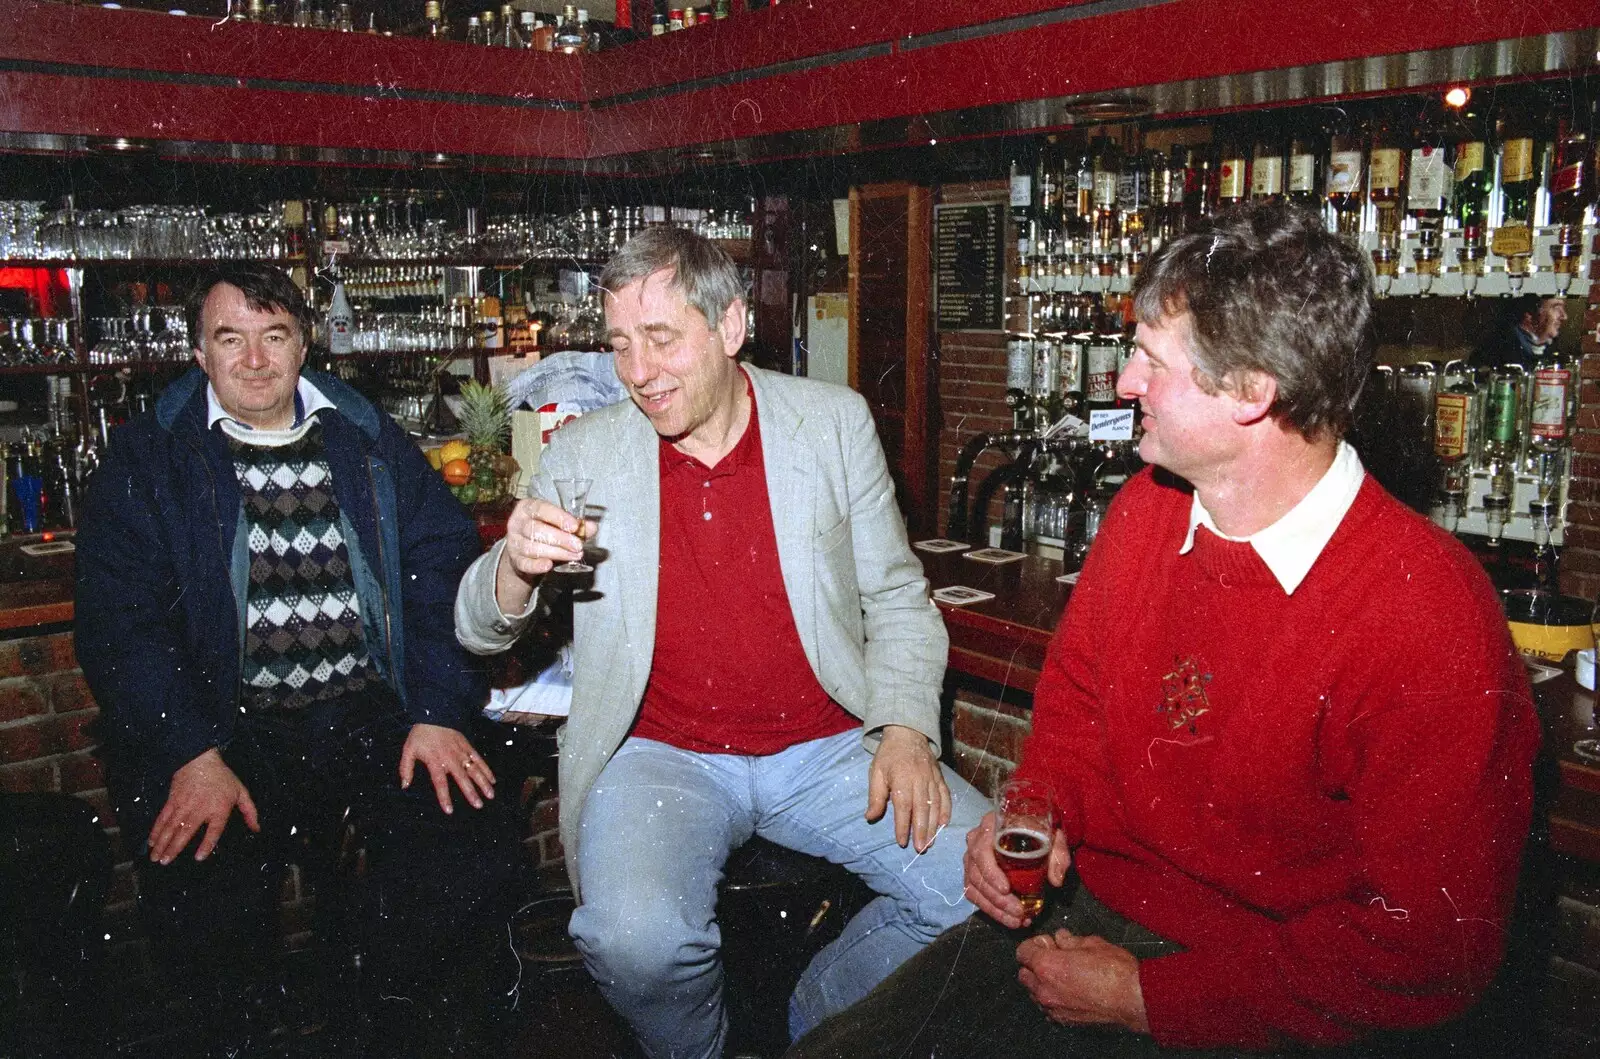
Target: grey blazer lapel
[791, 490]
[631, 534]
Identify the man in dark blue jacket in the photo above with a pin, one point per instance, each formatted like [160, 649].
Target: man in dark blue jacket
[266, 571]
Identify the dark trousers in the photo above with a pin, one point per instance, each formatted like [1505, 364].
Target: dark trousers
[960, 999]
[428, 916]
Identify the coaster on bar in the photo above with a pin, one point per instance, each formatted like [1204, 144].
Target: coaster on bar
[995, 555]
[940, 544]
[961, 595]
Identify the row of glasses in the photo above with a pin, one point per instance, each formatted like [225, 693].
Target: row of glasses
[148, 335]
[434, 328]
[144, 232]
[36, 340]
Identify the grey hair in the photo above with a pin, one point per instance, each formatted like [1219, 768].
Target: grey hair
[1269, 289]
[701, 269]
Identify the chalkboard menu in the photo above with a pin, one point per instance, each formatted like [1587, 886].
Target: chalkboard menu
[968, 266]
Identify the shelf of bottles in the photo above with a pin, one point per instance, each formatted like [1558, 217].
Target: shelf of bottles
[1448, 198]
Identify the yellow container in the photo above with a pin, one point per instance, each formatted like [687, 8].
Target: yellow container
[1548, 627]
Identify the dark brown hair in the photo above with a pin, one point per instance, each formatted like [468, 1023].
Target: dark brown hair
[266, 289]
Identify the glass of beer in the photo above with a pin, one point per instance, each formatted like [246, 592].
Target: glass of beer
[1024, 827]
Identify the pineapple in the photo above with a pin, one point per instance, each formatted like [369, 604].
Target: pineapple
[486, 418]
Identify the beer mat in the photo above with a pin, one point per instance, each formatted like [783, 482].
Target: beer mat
[994, 555]
[1069, 579]
[940, 544]
[961, 595]
[1538, 672]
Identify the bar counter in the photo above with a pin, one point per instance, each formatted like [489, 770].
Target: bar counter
[1002, 641]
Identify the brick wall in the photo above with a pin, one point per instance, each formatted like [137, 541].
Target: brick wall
[47, 744]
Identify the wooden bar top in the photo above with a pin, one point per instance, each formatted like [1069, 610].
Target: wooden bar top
[1001, 640]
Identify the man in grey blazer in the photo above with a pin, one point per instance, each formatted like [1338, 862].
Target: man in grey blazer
[757, 655]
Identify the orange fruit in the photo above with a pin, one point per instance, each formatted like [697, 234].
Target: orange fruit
[457, 472]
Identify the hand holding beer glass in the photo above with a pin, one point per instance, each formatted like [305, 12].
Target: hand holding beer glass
[1024, 827]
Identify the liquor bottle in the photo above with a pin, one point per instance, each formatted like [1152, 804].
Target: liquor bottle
[1429, 190]
[1080, 219]
[1470, 205]
[1047, 196]
[1386, 173]
[1303, 180]
[1231, 178]
[1107, 220]
[1021, 201]
[474, 30]
[1102, 361]
[1347, 164]
[1267, 176]
[341, 323]
[1156, 230]
[1501, 443]
[433, 16]
[302, 16]
[529, 22]
[1186, 190]
[1519, 186]
[506, 34]
[1457, 414]
[1549, 403]
[719, 9]
[344, 20]
[570, 39]
[1133, 202]
[544, 36]
[1573, 189]
[256, 11]
[658, 23]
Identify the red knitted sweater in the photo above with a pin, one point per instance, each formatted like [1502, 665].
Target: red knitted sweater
[1323, 797]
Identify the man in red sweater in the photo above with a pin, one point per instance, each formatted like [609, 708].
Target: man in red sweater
[1288, 736]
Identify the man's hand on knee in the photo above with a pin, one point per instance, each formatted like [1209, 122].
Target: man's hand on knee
[905, 771]
[447, 756]
[201, 797]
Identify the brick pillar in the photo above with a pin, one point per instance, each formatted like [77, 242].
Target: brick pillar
[1580, 558]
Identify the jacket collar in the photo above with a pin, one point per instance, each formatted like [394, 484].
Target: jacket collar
[182, 407]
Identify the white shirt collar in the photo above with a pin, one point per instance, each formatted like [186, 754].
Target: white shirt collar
[312, 400]
[1290, 546]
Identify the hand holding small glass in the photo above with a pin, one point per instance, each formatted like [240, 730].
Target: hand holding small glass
[539, 535]
[574, 495]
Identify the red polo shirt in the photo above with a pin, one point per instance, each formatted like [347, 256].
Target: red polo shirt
[729, 674]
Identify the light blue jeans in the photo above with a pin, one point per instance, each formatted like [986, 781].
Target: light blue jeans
[656, 831]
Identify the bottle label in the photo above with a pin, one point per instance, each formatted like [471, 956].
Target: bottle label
[1105, 188]
[1344, 173]
[1266, 178]
[1385, 168]
[1566, 179]
[1450, 425]
[1430, 178]
[1513, 240]
[1503, 412]
[1019, 364]
[1516, 160]
[1469, 159]
[1231, 182]
[1100, 374]
[1046, 368]
[1021, 190]
[1548, 417]
[1302, 173]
